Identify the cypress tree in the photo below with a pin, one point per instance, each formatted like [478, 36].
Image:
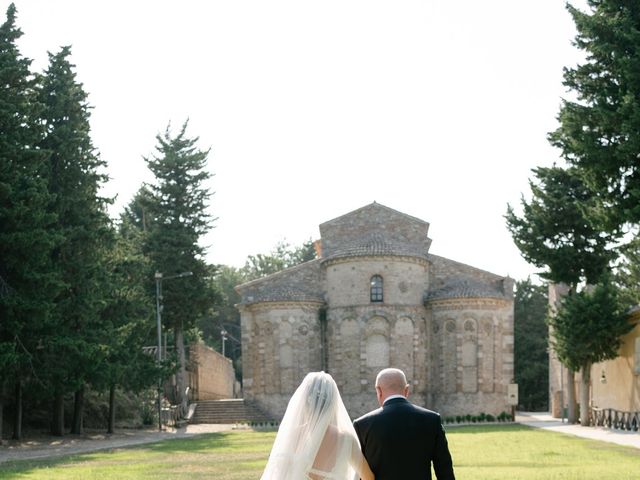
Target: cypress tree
[75, 179]
[26, 237]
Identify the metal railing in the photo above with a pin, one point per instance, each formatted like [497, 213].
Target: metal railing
[616, 419]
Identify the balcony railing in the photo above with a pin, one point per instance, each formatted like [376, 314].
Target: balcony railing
[616, 419]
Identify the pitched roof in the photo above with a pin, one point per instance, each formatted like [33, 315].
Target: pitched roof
[296, 284]
[464, 287]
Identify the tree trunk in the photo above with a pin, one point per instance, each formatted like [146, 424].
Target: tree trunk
[112, 409]
[78, 412]
[57, 424]
[1, 414]
[572, 414]
[17, 418]
[181, 379]
[584, 395]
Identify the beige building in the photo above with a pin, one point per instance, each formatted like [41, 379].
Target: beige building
[376, 297]
[615, 384]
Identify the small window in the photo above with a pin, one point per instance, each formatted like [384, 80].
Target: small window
[376, 288]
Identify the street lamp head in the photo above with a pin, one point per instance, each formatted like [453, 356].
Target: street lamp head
[158, 276]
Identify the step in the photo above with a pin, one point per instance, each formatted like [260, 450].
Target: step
[228, 411]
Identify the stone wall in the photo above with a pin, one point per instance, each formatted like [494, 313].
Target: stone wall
[211, 375]
[471, 357]
[364, 340]
[348, 280]
[280, 345]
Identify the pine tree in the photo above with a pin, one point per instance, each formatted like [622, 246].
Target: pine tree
[75, 178]
[600, 130]
[178, 221]
[26, 234]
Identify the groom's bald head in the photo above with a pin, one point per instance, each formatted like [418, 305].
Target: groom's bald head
[391, 381]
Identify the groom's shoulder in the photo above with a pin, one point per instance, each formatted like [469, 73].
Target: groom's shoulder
[426, 411]
[368, 415]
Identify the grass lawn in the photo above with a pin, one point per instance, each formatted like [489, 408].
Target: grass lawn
[479, 453]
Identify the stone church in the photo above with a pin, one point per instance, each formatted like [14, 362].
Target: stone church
[376, 297]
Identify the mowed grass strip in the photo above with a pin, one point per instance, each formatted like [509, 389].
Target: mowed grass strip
[519, 452]
[479, 453]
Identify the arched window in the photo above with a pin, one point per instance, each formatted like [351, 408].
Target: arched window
[376, 288]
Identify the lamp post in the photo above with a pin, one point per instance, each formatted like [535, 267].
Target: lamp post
[223, 332]
[158, 276]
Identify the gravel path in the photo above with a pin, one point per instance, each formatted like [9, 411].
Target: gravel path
[43, 446]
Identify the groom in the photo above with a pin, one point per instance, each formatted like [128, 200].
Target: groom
[401, 440]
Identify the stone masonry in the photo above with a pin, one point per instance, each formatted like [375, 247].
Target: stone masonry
[448, 325]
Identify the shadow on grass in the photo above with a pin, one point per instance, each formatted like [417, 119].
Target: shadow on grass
[15, 469]
[478, 429]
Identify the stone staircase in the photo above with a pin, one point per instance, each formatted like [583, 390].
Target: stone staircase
[234, 410]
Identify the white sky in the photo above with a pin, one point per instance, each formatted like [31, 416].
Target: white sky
[436, 108]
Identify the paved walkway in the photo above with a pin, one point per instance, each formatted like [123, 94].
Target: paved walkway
[547, 422]
[46, 446]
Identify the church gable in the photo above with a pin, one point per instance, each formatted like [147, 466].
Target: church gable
[374, 230]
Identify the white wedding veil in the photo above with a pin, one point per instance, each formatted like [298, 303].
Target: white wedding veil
[316, 439]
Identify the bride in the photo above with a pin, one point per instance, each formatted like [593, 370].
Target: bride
[316, 439]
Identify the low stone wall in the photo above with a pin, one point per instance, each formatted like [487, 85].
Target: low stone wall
[211, 374]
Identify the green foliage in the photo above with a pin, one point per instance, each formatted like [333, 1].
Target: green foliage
[281, 257]
[177, 219]
[73, 336]
[627, 273]
[27, 237]
[127, 317]
[588, 325]
[531, 343]
[562, 228]
[599, 131]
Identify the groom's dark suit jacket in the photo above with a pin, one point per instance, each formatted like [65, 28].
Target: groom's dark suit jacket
[401, 440]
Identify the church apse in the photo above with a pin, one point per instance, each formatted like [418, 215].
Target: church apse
[378, 298]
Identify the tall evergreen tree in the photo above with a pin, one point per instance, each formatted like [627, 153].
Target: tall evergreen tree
[75, 178]
[26, 234]
[599, 131]
[178, 209]
[562, 230]
[531, 343]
